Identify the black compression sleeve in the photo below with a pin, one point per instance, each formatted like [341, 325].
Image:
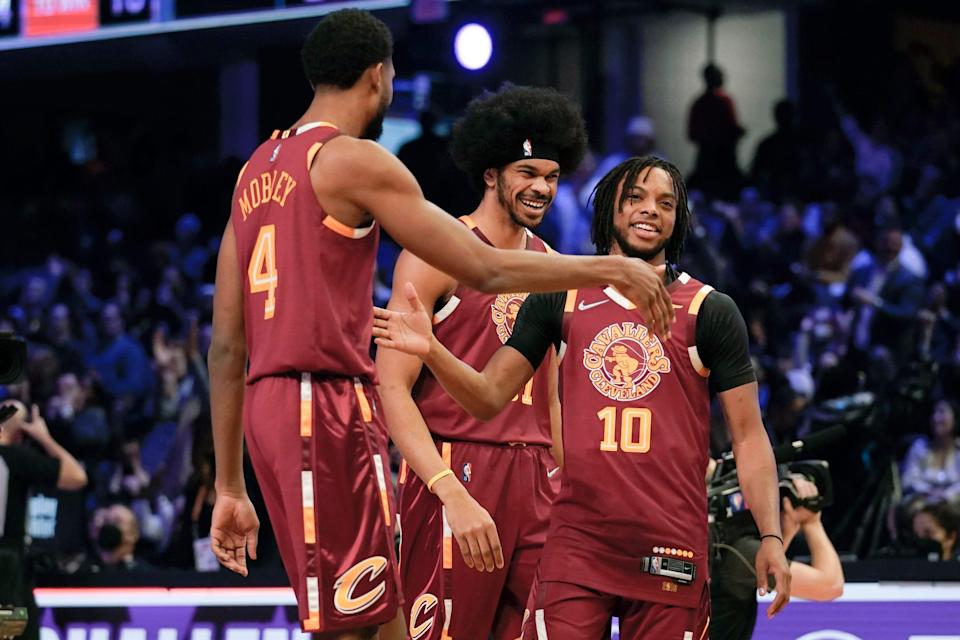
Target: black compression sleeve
[723, 343]
[538, 326]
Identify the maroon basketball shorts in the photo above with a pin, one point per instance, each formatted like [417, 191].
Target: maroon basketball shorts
[319, 450]
[565, 611]
[446, 599]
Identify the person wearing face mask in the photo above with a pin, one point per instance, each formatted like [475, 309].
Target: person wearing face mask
[939, 522]
[115, 532]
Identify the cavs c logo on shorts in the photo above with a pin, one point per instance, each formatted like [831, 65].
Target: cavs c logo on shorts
[344, 598]
[504, 311]
[425, 605]
[625, 361]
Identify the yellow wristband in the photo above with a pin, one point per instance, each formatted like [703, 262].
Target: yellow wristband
[432, 481]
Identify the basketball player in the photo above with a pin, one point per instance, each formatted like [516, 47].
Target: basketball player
[494, 480]
[292, 324]
[628, 533]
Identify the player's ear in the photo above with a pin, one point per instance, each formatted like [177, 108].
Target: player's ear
[375, 76]
[490, 178]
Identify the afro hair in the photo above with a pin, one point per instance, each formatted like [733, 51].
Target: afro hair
[343, 45]
[495, 125]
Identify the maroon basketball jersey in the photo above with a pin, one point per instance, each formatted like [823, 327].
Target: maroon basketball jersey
[473, 325]
[636, 426]
[308, 278]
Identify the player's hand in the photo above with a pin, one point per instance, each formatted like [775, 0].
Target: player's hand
[643, 285]
[771, 561]
[408, 331]
[472, 526]
[233, 532]
[37, 427]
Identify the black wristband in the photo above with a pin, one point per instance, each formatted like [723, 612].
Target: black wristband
[771, 535]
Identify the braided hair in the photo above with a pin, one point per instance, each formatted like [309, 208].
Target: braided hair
[605, 203]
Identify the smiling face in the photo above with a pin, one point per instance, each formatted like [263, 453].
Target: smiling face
[525, 189]
[643, 224]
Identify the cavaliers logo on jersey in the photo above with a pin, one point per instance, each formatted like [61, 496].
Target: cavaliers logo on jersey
[504, 312]
[422, 615]
[625, 361]
[364, 573]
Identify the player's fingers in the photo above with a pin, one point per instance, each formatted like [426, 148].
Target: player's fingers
[659, 313]
[412, 297]
[465, 551]
[379, 313]
[241, 557]
[493, 538]
[485, 551]
[386, 343]
[224, 556]
[778, 603]
[762, 574]
[475, 554]
[252, 539]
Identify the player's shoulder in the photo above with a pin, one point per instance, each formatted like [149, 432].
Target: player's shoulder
[431, 283]
[352, 154]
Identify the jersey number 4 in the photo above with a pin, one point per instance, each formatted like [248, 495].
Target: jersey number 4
[635, 423]
[262, 269]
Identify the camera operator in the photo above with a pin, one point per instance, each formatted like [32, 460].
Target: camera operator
[22, 467]
[733, 585]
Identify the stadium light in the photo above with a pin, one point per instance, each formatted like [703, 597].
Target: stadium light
[473, 46]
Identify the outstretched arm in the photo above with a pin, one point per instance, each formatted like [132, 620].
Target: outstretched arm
[363, 177]
[481, 393]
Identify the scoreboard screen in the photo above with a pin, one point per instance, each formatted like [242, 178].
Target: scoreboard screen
[33, 23]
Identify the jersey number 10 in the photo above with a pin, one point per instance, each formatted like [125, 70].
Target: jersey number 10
[262, 269]
[635, 423]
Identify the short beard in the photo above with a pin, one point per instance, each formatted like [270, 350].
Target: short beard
[374, 128]
[508, 206]
[631, 252]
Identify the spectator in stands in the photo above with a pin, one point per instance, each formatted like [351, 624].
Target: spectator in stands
[115, 532]
[940, 326]
[777, 160]
[939, 522]
[877, 162]
[713, 127]
[885, 298]
[121, 363]
[931, 469]
[84, 423]
[60, 335]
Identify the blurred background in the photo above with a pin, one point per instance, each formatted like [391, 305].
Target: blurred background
[820, 140]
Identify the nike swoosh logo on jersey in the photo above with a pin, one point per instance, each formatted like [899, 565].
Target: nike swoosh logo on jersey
[584, 307]
[553, 472]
